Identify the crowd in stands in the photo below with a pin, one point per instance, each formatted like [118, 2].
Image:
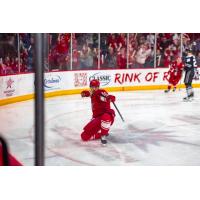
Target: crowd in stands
[59, 51]
[141, 50]
[85, 51]
[113, 51]
[192, 41]
[77, 51]
[168, 48]
[16, 53]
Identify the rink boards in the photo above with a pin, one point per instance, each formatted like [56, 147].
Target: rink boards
[16, 88]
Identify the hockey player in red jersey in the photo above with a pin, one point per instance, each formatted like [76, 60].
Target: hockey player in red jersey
[103, 115]
[175, 73]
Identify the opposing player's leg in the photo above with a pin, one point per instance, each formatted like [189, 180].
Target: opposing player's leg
[190, 92]
[188, 84]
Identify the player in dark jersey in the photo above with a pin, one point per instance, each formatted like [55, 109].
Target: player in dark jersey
[190, 70]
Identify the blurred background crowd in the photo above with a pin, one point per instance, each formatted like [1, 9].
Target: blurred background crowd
[85, 51]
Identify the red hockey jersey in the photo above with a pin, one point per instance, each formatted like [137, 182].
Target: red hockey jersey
[176, 68]
[100, 102]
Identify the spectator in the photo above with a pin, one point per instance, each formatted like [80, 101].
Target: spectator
[186, 39]
[110, 59]
[131, 59]
[150, 58]
[75, 59]
[29, 56]
[74, 41]
[121, 40]
[112, 41]
[104, 45]
[2, 67]
[141, 50]
[141, 39]
[142, 54]
[95, 57]
[13, 65]
[151, 39]
[6, 67]
[122, 58]
[59, 51]
[176, 39]
[167, 56]
[113, 47]
[168, 48]
[53, 59]
[86, 57]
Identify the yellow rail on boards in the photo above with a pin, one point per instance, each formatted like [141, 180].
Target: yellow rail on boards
[77, 91]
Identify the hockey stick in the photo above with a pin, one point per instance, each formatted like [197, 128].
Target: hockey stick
[118, 112]
[116, 109]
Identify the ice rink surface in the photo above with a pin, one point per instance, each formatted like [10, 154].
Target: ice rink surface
[159, 129]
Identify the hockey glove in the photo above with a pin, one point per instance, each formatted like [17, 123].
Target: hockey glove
[85, 93]
[196, 74]
[111, 98]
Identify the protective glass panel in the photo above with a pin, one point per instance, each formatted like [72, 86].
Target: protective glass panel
[168, 48]
[113, 50]
[8, 53]
[59, 51]
[141, 50]
[84, 51]
[192, 41]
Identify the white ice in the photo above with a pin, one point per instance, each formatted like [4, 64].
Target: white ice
[159, 129]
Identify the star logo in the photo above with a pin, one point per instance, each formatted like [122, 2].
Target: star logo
[9, 83]
[143, 138]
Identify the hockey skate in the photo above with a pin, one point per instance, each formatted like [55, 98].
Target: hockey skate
[166, 91]
[191, 96]
[103, 140]
[174, 89]
[188, 98]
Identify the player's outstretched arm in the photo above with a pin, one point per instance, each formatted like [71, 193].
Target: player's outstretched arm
[85, 93]
[111, 98]
[105, 97]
